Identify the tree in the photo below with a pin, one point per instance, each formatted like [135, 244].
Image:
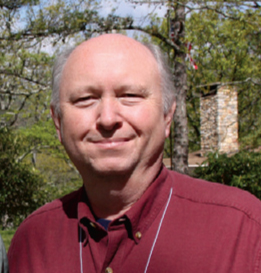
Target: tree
[20, 185]
[25, 63]
[180, 139]
[227, 53]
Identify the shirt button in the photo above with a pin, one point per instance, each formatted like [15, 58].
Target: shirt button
[138, 235]
[92, 224]
[108, 270]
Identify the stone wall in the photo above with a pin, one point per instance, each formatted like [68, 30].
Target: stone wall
[227, 120]
[208, 123]
[219, 121]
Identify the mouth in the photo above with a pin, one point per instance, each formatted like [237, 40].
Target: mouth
[110, 143]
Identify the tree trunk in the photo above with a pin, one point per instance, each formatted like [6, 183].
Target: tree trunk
[180, 147]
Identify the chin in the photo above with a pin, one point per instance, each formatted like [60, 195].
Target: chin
[114, 168]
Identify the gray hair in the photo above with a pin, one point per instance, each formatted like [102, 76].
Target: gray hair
[167, 86]
[58, 67]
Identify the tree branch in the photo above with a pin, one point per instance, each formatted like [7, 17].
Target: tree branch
[17, 75]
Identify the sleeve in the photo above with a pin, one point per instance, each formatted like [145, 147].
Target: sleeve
[25, 251]
[19, 252]
[3, 258]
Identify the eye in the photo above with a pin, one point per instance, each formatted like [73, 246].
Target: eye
[131, 95]
[85, 101]
[84, 98]
[130, 98]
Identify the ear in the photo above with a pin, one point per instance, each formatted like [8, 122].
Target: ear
[57, 122]
[168, 118]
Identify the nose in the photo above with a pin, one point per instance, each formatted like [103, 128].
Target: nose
[109, 117]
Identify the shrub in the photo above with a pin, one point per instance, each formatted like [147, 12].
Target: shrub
[241, 170]
[20, 185]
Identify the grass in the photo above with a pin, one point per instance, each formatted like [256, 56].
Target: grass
[7, 236]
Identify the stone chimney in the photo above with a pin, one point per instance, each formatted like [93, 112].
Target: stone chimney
[219, 120]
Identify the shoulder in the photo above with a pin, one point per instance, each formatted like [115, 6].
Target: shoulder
[33, 233]
[216, 194]
[64, 207]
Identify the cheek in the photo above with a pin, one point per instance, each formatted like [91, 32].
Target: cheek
[76, 123]
[149, 121]
[141, 121]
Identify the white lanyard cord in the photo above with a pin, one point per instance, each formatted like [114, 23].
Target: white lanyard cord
[80, 244]
[158, 231]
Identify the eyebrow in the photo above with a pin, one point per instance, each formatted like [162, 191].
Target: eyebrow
[120, 88]
[141, 89]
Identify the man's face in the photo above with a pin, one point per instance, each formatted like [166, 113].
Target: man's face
[112, 118]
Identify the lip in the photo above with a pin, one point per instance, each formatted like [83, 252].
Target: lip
[111, 143]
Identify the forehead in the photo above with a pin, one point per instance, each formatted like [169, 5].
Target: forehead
[114, 50]
[110, 63]
[113, 43]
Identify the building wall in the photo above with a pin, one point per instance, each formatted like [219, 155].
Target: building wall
[208, 123]
[227, 120]
[219, 121]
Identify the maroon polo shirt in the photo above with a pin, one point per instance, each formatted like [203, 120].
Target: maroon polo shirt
[180, 224]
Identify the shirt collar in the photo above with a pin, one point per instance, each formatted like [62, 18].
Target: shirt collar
[139, 217]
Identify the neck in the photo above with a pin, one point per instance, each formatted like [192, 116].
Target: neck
[111, 195]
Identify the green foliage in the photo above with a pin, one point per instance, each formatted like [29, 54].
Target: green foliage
[50, 159]
[14, 4]
[34, 167]
[29, 36]
[241, 170]
[20, 185]
[226, 47]
[7, 236]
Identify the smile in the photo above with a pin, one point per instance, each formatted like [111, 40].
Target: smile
[111, 143]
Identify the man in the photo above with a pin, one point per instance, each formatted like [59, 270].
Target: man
[112, 107]
[3, 257]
